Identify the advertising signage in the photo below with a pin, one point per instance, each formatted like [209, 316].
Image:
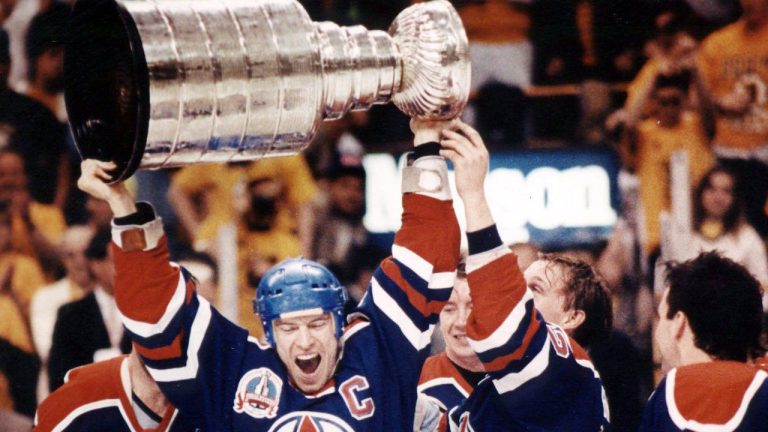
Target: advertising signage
[554, 198]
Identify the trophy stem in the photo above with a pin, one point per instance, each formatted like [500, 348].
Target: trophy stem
[360, 68]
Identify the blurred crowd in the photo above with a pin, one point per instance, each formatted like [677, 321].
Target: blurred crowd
[678, 89]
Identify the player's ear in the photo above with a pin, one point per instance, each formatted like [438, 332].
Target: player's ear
[679, 323]
[573, 319]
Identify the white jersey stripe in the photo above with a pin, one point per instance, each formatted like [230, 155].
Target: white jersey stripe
[503, 332]
[262, 346]
[417, 264]
[479, 260]
[390, 307]
[442, 280]
[589, 365]
[513, 380]
[146, 330]
[442, 381]
[197, 334]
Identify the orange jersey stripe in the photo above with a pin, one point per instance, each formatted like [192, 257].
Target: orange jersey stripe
[497, 288]
[442, 250]
[145, 282]
[415, 298]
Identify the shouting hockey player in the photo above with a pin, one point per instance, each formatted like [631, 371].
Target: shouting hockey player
[313, 374]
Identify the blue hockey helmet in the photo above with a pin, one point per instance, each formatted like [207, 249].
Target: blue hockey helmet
[298, 284]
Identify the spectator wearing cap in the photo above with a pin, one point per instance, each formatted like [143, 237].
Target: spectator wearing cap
[338, 229]
[672, 50]
[89, 330]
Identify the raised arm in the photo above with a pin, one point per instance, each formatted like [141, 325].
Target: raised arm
[179, 335]
[516, 347]
[503, 321]
[408, 290]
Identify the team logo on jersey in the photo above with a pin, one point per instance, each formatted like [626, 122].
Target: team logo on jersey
[258, 393]
[310, 421]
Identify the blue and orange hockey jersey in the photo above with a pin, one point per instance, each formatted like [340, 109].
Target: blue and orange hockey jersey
[442, 382]
[538, 378]
[97, 398]
[224, 380]
[720, 396]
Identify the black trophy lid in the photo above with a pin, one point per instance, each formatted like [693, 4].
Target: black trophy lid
[106, 85]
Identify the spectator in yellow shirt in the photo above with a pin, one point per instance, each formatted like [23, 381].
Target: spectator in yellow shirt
[20, 277]
[205, 197]
[263, 241]
[733, 63]
[23, 273]
[649, 144]
[35, 227]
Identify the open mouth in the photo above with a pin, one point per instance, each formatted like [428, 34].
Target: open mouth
[461, 339]
[308, 363]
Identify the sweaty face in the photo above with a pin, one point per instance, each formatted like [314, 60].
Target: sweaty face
[546, 281]
[453, 325]
[717, 197]
[308, 347]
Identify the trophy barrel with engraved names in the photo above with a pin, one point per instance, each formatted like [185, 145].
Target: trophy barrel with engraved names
[162, 83]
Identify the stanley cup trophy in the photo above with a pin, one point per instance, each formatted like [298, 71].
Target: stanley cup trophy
[160, 83]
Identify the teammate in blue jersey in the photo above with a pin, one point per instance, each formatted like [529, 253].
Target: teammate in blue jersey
[537, 377]
[448, 378]
[710, 320]
[312, 375]
[566, 292]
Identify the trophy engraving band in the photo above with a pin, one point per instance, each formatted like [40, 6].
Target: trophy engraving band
[161, 83]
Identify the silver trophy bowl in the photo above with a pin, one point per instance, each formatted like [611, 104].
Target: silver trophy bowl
[161, 83]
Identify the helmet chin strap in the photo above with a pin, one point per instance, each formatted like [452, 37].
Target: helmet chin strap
[339, 350]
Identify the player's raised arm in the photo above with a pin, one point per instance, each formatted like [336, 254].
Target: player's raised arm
[527, 360]
[177, 333]
[496, 283]
[409, 289]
